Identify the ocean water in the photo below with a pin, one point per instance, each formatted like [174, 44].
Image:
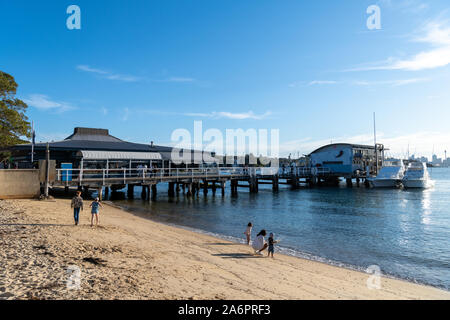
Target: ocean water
[404, 232]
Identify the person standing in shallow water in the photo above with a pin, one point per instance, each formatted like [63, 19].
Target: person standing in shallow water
[77, 205]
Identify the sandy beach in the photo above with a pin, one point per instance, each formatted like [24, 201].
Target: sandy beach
[130, 257]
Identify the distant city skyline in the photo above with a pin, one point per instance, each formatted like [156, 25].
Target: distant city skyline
[312, 69]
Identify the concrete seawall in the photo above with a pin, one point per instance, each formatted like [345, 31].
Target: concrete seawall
[19, 184]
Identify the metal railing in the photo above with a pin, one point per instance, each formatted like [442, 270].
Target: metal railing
[304, 171]
[143, 174]
[124, 175]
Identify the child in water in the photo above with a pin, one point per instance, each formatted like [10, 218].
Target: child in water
[248, 232]
[94, 212]
[271, 243]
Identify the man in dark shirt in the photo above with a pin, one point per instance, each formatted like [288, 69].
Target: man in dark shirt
[77, 205]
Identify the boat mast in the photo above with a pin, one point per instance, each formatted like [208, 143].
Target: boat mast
[375, 142]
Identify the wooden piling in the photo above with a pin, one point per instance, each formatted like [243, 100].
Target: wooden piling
[144, 193]
[349, 182]
[154, 191]
[205, 187]
[189, 189]
[130, 191]
[275, 183]
[214, 188]
[171, 190]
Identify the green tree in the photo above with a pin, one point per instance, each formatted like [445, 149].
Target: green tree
[14, 124]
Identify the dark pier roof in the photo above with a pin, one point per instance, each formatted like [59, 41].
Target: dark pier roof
[93, 139]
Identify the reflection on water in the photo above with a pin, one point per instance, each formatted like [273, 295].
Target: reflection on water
[405, 232]
[426, 207]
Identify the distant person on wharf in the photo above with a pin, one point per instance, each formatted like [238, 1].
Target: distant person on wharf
[260, 244]
[95, 205]
[248, 232]
[77, 205]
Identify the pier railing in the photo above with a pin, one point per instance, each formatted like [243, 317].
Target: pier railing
[304, 171]
[142, 175]
[125, 175]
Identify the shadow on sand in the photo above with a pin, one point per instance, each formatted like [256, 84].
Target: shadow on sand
[236, 255]
[223, 244]
[34, 225]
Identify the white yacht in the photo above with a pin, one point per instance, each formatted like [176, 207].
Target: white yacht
[416, 176]
[389, 176]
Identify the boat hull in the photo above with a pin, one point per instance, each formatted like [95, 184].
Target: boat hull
[417, 184]
[385, 183]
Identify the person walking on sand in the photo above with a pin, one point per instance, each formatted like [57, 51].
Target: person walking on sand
[95, 205]
[271, 241]
[248, 232]
[259, 244]
[77, 205]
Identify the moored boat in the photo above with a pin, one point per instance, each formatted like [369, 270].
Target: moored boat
[389, 176]
[416, 176]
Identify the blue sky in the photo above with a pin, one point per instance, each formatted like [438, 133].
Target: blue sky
[311, 69]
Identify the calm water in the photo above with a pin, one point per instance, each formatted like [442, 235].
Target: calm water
[406, 233]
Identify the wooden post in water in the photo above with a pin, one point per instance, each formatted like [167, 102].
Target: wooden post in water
[275, 183]
[144, 192]
[349, 182]
[222, 185]
[234, 184]
[154, 191]
[100, 193]
[205, 187]
[189, 189]
[214, 188]
[130, 191]
[171, 189]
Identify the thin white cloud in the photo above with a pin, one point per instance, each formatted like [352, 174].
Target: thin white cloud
[436, 35]
[109, 75]
[393, 83]
[213, 115]
[312, 83]
[180, 79]
[89, 69]
[43, 102]
[322, 82]
[231, 115]
[176, 80]
[367, 83]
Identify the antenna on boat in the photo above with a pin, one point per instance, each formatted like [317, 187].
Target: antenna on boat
[375, 143]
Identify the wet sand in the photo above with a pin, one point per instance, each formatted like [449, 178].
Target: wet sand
[130, 257]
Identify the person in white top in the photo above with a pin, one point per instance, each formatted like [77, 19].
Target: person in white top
[260, 244]
[248, 232]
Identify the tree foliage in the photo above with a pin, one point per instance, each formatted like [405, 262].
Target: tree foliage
[14, 124]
